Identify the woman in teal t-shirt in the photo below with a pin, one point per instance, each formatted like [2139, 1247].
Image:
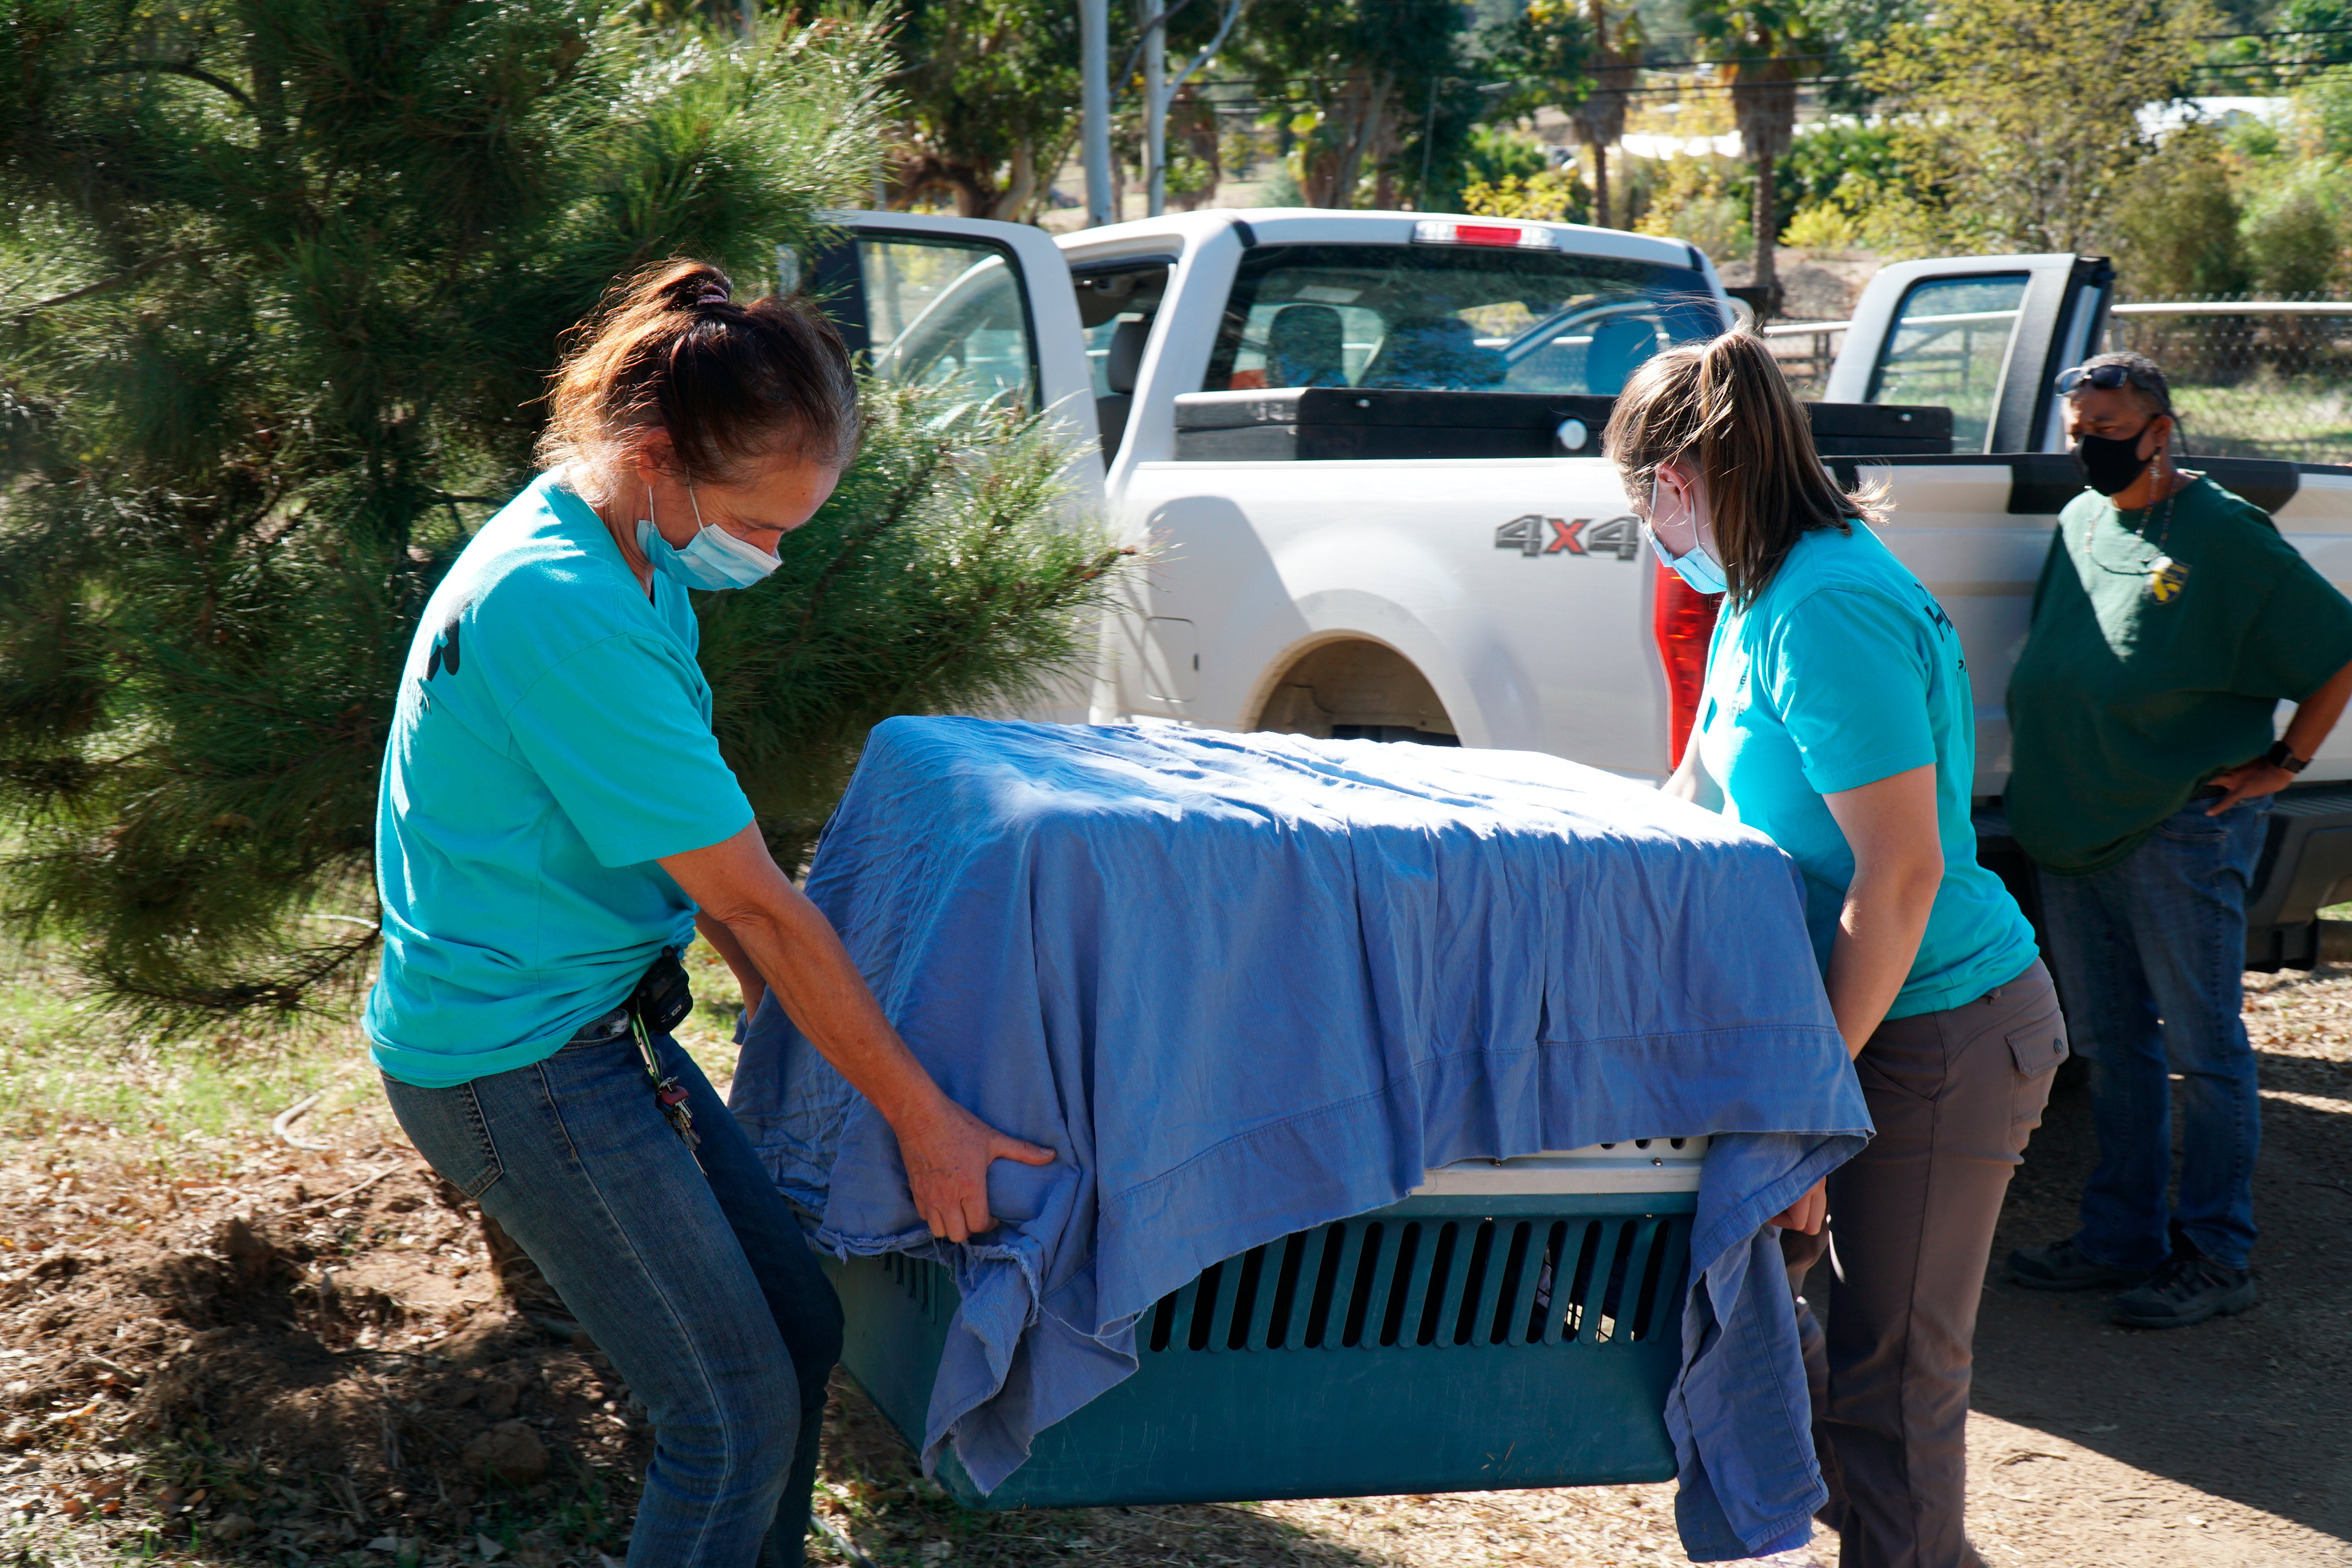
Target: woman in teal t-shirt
[1836, 718]
[556, 824]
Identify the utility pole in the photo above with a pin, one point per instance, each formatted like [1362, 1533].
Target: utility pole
[1094, 108]
[1154, 23]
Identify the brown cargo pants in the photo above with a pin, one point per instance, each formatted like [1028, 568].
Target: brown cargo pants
[1953, 1095]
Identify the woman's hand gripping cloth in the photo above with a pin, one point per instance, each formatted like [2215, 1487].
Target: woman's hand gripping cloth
[1248, 984]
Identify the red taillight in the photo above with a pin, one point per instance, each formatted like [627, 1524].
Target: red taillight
[1685, 624]
[1447, 231]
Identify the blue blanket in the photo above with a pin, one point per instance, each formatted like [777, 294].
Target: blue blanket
[1247, 984]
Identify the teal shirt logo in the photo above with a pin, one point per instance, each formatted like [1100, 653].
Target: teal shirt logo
[444, 645]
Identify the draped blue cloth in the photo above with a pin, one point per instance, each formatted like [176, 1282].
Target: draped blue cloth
[1247, 985]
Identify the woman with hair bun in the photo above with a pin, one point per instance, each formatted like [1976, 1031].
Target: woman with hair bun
[555, 826]
[1836, 718]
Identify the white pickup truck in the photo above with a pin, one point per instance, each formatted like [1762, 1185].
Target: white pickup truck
[1364, 450]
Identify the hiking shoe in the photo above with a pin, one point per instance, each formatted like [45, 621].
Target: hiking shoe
[2190, 1288]
[2061, 1265]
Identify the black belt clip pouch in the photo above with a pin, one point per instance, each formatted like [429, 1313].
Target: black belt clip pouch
[663, 998]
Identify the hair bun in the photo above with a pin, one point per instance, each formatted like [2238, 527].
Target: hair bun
[699, 289]
[770, 378]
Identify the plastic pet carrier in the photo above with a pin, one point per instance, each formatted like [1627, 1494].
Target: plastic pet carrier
[1511, 1323]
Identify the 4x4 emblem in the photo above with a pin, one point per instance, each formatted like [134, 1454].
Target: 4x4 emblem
[1535, 535]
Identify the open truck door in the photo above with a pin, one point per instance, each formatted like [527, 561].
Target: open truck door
[965, 301]
[982, 306]
[1984, 336]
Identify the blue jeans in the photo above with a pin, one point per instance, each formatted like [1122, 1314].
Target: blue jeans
[686, 1268]
[2150, 956]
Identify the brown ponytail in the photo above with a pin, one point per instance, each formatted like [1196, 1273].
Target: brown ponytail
[1724, 406]
[731, 386]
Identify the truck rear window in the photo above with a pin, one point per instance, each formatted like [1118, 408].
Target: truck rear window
[1450, 319]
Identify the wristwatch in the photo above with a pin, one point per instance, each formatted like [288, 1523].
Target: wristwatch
[2281, 755]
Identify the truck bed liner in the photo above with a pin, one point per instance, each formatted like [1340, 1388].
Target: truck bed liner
[1341, 424]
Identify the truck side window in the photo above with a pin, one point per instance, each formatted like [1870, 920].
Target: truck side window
[948, 312]
[1450, 319]
[1947, 346]
[1117, 305]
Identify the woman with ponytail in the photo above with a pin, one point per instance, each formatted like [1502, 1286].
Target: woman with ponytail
[556, 824]
[1837, 718]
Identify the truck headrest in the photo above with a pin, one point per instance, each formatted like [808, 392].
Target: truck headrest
[1125, 356]
[1619, 344]
[1303, 347]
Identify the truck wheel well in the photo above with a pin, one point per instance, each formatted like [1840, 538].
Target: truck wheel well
[1356, 689]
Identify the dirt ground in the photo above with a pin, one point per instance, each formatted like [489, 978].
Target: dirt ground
[248, 1352]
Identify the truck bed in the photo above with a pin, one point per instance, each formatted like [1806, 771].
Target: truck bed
[1336, 424]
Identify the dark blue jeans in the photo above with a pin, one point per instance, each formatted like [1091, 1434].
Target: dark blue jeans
[2150, 955]
[687, 1270]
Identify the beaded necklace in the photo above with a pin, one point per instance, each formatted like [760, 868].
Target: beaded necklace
[2166, 577]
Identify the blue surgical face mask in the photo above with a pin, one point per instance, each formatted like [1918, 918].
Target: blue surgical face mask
[1696, 568]
[712, 559]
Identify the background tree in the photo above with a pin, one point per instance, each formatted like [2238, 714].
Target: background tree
[1540, 58]
[1755, 43]
[2310, 30]
[991, 96]
[1577, 56]
[1618, 39]
[283, 281]
[2018, 123]
[1843, 30]
[1378, 88]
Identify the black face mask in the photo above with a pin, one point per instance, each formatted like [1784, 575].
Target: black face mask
[2112, 464]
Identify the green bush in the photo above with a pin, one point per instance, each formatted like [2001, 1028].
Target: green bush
[1822, 157]
[1495, 153]
[1824, 226]
[1701, 201]
[2324, 104]
[2292, 240]
[1555, 195]
[2178, 233]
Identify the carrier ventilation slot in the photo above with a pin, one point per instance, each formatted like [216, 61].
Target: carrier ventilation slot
[924, 1282]
[1433, 1283]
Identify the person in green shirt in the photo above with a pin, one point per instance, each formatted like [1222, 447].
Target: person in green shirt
[2169, 622]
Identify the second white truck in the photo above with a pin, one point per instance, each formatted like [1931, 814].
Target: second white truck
[1364, 450]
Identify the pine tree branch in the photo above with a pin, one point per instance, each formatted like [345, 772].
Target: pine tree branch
[910, 495]
[130, 276]
[188, 68]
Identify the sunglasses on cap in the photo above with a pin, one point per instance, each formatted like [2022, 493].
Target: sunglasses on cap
[2107, 378]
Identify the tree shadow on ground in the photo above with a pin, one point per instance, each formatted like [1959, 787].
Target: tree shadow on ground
[2250, 1408]
[878, 1498]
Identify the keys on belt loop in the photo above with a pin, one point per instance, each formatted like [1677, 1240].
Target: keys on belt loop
[669, 1093]
[663, 992]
